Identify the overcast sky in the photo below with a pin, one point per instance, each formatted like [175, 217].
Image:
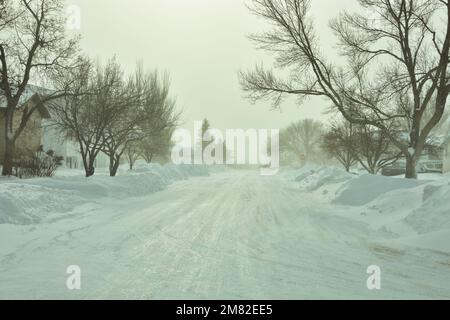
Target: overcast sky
[202, 44]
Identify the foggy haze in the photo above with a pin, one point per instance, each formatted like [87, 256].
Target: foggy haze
[202, 44]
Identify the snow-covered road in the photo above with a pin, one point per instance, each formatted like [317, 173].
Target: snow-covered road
[230, 235]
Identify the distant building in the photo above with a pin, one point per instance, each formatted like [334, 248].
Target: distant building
[433, 155]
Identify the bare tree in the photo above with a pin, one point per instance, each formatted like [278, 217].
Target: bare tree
[132, 153]
[339, 142]
[157, 145]
[94, 99]
[303, 139]
[373, 148]
[3, 12]
[148, 148]
[7, 15]
[399, 37]
[33, 44]
[148, 111]
[123, 128]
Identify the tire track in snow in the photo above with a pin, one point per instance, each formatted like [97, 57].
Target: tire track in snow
[231, 235]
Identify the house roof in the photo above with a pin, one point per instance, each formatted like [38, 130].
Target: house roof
[37, 100]
[437, 140]
[32, 95]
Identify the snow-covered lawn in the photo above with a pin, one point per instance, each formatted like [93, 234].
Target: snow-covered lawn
[308, 233]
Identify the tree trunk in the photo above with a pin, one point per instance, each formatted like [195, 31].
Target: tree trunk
[347, 167]
[8, 161]
[148, 158]
[373, 170]
[88, 161]
[132, 161]
[410, 168]
[411, 161]
[111, 166]
[90, 170]
[114, 163]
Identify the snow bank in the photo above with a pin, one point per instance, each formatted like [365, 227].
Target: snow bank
[402, 206]
[31, 201]
[434, 212]
[412, 212]
[312, 178]
[322, 182]
[366, 188]
[27, 203]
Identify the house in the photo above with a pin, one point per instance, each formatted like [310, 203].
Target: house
[436, 155]
[446, 161]
[40, 132]
[31, 138]
[433, 155]
[69, 149]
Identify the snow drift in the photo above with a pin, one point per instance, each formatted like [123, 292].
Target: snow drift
[31, 201]
[366, 188]
[414, 212]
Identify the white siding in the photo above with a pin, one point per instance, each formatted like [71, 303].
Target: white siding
[447, 158]
[53, 140]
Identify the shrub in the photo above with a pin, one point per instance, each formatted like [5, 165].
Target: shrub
[38, 164]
